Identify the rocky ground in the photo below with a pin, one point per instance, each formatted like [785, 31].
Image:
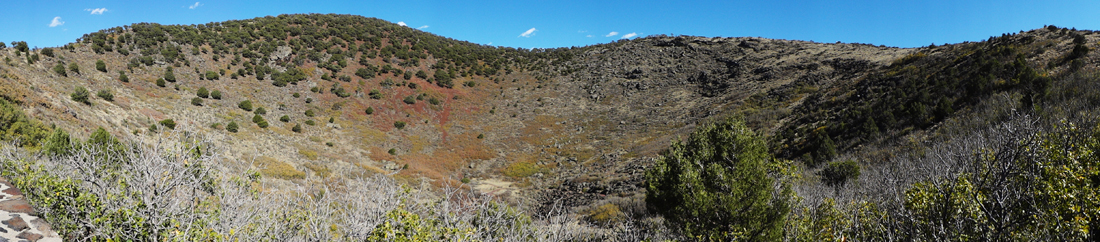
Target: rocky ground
[18, 220]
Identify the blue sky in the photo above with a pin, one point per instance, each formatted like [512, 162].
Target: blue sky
[580, 23]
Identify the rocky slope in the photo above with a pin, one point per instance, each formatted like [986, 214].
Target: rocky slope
[564, 126]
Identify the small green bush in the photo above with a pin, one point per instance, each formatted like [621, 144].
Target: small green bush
[160, 82]
[309, 113]
[60, 69]
[168, 123]
[197, 101]
[106, 94]
[122, 77]
[216, 95]
[46, 52]
[74, 68]
[297, 95]
[375, 94]
[410, 100]
[297, 128]
[211, 75]
[80, 95]
[392, 151]
[257, 118]
[169, 75]
[284, 118]
[231, 127]
[203, 93]
[399, 124]
[370, 110]
[310, 122]
[434, 101]
[331, 120]
[261, 111]
[100, 66]
[246, 105]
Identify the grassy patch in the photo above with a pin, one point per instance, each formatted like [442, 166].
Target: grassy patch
[270, 167]
[308, 153]
[521, 169]
[321, 170]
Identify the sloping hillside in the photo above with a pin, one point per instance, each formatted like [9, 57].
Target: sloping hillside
[312, 100]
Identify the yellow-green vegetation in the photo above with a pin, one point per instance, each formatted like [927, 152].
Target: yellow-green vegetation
[607, 214]
[320, 169]
[16, 126]
[521, 169]
[270, 167]
[308, 153]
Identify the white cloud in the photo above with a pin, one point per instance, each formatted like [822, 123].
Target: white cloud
[56, 22]
[630, 35]
[402, 24]
[589, 36]
[422, 27]
[613, 33]
[96, 11]
[528, 33]
[193, 6]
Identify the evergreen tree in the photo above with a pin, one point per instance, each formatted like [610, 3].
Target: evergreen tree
[716, 186]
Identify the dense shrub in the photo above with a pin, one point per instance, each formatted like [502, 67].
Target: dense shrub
[74, 68]
[718, 185]
[399, 124]
[168, 123]
[370, 110]
[60, 69]
[232, 127]
[309, 113]
[100, 66]
[211, 75]
[246, 105]
[216, 95]
[122, 77]
[202, 92]
[160, 82]
[261, 111]
[297, 128]
[106, 94]
[410, 100]
[80, 95]
[284, 118]
[197, 101]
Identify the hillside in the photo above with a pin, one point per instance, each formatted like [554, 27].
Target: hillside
[310, 103]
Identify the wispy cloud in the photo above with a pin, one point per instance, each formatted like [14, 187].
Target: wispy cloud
[422, 27]
[613, 33]
[56, 22]
[96, 11]
[402, 23]
[196, 5]
[528, 33]
[589, 36]
[630, 35]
